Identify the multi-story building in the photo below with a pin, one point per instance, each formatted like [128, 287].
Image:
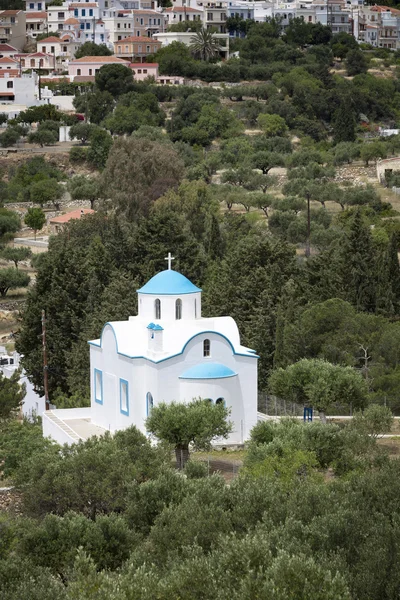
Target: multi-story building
[13, 28]
[177, 14]
[62, 48]
[333, 14]
[136, 48]
[215, 15]
[123, 23]
[36, 23]
[378, 26]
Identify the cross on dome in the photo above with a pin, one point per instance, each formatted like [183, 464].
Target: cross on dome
[169, 258]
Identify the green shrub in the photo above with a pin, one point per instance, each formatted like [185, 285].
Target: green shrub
[195, 469]
[77, 154]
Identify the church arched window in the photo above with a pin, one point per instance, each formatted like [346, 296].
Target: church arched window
[178, 309]
[195, 308]
[220, 401]
[149, 403]
[206, 348]
[157, 309]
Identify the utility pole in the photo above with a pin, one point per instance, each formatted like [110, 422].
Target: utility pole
[45, 367]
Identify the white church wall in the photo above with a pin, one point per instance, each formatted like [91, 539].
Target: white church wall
[249, 392]
[191, 306]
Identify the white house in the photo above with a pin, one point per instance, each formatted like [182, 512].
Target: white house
[33, 404]
[167, 353]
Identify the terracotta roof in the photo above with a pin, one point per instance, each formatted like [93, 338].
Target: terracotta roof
[139, 38]
[67, 38]
[380, 9]
[36, 15]
[98, 59]
[39, 54]
[84, 78]
[7, 48]
[7, 60]
[75, 214]
[9, 72]
[50, 40]
[183, 9]
[10, 13]
[71, 21]
[142, 65]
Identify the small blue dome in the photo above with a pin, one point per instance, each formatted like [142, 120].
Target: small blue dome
[208, 370]
[169, 283]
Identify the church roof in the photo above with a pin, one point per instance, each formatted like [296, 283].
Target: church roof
[208, 370]
[169, 283]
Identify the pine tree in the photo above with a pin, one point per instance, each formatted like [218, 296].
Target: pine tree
[214, 242]
[359, 266]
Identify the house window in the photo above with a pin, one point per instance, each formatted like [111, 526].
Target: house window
[126, 49]
[139, 70]
[82, 25]
[10, 84]
[12, 19]
[178, 303]
[76, 12]
[78, 71]
[149, 403]
[124, 397]
[157, 309]
[141, 21]
[32, 62]
[119, 49]
[31, 6]
[138, 33]
[52, 49]
[61, 15]
[147, 48]
[44, 49]
[64, 48]
[206, 348]
[144, 70]
[22, 62]
[139, 48]
[39, 6]
[90, 71]
[90, 12]
[98, 386]
[87, 25]
[83, 12]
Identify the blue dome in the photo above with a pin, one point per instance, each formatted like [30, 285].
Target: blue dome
[170, 283]
[208, 370]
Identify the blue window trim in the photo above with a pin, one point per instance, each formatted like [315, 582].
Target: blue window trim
[124, 412]
[101, 386]
[147, 402]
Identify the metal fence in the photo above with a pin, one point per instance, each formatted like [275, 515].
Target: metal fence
[279, 407]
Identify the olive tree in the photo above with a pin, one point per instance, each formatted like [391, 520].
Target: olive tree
[197, 423]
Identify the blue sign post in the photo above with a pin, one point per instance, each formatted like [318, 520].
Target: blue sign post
[308, 413]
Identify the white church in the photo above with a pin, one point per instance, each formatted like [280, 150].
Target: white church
[168, 352]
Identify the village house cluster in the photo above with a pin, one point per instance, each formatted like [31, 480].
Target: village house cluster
[135, 29]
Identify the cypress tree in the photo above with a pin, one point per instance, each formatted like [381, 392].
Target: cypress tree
[384, 290]
[344, 126]
[394, 270]
[359, 266]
